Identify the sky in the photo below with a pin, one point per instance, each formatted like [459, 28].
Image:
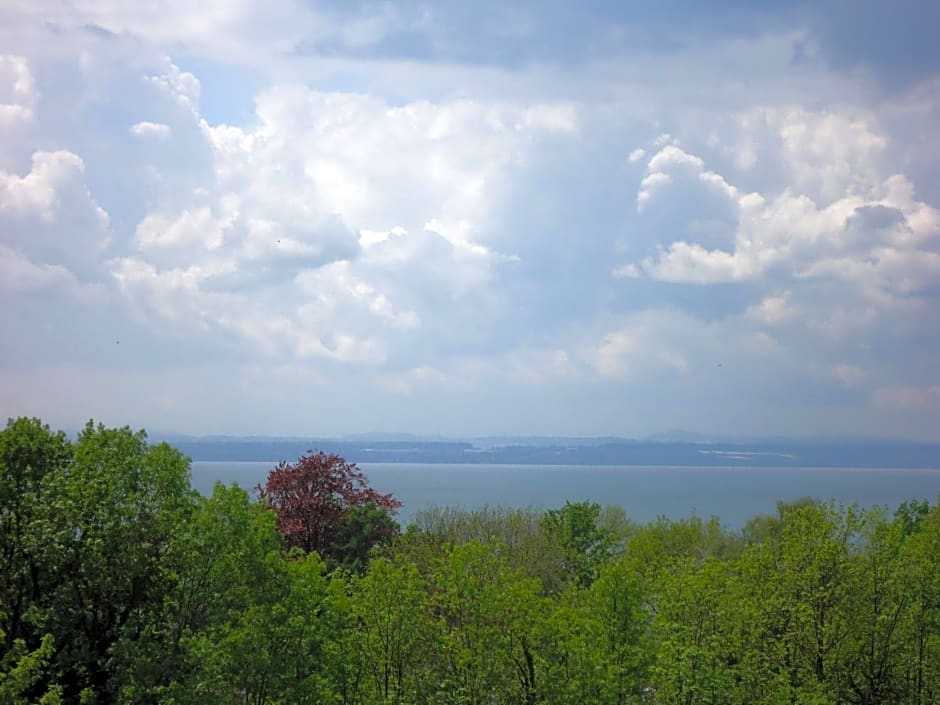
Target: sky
[472, 218]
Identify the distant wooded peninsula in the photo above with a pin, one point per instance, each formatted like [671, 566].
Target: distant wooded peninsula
[576, 451]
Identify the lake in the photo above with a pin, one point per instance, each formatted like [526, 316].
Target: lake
[732, 494]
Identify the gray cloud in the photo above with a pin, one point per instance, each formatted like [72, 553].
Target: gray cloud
[436, 210]
[895, 41]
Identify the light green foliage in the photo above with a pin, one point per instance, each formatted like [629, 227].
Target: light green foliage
[395, 634]
[598, 646]
[20, 671]
[814, 580]
[919, 635]
[487, 614]
[614, 522]
[665, 546]
[254, 622]
[527, 546]
[118, 584]
[585, 545]
[273, 651]
[695, 626]
[622, 625]
[879, 605]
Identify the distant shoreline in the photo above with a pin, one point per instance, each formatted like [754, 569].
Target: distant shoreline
[783, 454]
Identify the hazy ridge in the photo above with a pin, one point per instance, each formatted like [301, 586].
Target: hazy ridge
[575, 451]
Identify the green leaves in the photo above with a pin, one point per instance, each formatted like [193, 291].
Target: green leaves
[33, 461]
[395, 633]
[584, 544]
[20, 671]
[487, 613]
[118, 584]
[85, 530]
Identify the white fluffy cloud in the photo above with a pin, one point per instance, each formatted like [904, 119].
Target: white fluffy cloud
[875, 230]
[290, 191]
[337, 215]
[19, 274]
[154, 130]
[50, 217]
[17, 90]
[772, 309]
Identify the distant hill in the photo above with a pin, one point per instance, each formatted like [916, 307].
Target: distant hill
[573, 451]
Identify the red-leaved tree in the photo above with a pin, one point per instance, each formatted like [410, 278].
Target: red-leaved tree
[314, 497]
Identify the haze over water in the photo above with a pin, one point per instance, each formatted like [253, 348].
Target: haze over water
[732, 494]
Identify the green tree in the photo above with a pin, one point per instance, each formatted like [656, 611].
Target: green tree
[527, 547]
[585, 545]
[273, 651]
[218, 564]
[598, 646]
[87, 526]
[33, 461]
[364, 528]
[254, 619]
[488, 614]
[879, 608]
[695, 626]
[395, 637]
[123, 500]
[797, 603]
[920, 650]
[21, 670]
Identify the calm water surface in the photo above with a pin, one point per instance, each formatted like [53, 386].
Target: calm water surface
[733, 494]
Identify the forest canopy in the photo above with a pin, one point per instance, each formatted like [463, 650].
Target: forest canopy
[121, 584]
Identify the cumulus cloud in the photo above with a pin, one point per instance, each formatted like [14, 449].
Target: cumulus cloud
[192, 229]
[772, 309]
[464, 226]
[19, 275]
[653, 344]
[183, 86]
[368, 238]
[154, 130]
[338, 214]
[824, 154]
[863, 236]
[627, 271]
[833, 248]
[17, 90]
[690, 263]
[366, 158]
[50, 217]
